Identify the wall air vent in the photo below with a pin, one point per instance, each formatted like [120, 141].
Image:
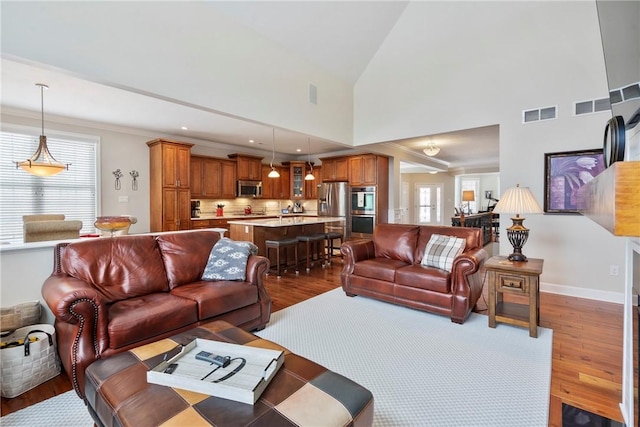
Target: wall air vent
[545, 113]
[591, 106]
[625, 93]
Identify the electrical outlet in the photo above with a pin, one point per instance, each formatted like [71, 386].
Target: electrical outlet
[614, 270]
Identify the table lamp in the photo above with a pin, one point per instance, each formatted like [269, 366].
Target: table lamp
[518, 200]
[468, 196]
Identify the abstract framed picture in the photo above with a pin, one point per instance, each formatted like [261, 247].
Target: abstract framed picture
[565, 173]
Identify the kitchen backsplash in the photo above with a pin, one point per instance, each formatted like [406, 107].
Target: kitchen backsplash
[269, 207]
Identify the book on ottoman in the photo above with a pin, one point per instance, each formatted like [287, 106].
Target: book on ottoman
[220, 369]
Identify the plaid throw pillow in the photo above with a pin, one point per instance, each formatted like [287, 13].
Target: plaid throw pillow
[228, 260]
[442, 250]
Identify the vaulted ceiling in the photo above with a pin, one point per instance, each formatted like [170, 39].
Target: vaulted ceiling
[340, 37]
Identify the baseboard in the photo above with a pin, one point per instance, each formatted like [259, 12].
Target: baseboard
[605, 296]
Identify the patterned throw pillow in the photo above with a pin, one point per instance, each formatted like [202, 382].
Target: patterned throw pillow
[442, 250]
[228, 260]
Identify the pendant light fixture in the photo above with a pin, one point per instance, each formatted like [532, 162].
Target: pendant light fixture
[42, 163]
[274, 173]
[431, 150]
[309, 176]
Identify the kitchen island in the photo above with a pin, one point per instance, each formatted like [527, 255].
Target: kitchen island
[259, 230]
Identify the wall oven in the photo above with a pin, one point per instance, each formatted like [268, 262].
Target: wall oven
[363, 211]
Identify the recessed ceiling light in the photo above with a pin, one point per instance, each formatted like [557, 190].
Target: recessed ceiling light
[184, 128]
[251, 141]
[298, 150]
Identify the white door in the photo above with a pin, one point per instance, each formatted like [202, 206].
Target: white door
[428, 209]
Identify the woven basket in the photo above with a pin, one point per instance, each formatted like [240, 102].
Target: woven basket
[26, 366]
[18, 316]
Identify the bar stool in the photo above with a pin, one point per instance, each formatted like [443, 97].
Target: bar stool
[330, 237]
[313, 244]
[285, 244]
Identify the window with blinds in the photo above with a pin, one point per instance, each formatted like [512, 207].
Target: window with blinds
[72, 192]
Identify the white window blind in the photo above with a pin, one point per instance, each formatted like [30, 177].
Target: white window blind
[72, 192]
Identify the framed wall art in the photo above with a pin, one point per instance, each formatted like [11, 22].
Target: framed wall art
[565, 173]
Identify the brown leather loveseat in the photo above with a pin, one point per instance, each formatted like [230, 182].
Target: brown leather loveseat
[111, 294]
[388, 268]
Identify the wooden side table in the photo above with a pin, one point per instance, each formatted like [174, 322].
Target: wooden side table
[514, 278]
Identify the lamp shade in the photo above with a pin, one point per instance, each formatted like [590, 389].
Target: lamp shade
[518, 200]
[468, 196]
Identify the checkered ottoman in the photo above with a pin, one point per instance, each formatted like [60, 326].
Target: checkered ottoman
[302, 393]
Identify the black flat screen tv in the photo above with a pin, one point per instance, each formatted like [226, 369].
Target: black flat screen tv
[620, 32]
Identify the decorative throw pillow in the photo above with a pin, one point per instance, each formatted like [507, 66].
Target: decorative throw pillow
[228, 260]
[442, 250]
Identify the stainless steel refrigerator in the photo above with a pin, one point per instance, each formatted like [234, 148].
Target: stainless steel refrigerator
[333, 200]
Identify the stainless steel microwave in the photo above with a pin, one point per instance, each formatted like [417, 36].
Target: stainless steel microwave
[249, 189]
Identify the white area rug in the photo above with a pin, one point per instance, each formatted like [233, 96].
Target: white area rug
[64, 410]
[422, 369]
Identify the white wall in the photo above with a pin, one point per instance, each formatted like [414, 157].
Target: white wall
[459, 65]
[150, 46]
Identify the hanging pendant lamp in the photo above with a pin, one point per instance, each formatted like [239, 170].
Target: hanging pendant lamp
[274, 173]
[309, 176]
[42, 163]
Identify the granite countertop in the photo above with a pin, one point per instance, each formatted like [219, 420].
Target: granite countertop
[287, 221]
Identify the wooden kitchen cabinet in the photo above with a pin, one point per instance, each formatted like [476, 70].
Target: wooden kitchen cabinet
[212, 178]
[170, 185]
[247, 167]
[276, 188]
[335, 169]
[311, 187]
[363, 170]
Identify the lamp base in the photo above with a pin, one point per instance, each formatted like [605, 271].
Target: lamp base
[517, 257]
[517, 235]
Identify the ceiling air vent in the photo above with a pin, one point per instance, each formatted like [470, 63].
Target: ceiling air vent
[591, 106]
[538, 114]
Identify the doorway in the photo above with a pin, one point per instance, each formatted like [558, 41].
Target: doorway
[428, 206]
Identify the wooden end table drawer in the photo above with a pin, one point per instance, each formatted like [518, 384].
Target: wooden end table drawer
[511, 283]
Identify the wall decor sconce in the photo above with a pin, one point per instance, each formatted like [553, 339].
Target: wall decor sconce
[118, 174]
[134, 179]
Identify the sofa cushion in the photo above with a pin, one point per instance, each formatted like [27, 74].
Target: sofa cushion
[216, 298]
[185, 254]
[442, 250]
[473, 237]
[378, 268]
[119, 267]
[429, 278]
[137, 319]
[395, 241]
[228, 260]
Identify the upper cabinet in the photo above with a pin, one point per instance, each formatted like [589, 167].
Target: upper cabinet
[212, 178]
[363, 170]
[335, 169]
[247, 167]
[297, 172]
[276, 188]
[311, 187]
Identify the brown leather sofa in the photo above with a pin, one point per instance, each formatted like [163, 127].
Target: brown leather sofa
[111, 294]
[388, 268]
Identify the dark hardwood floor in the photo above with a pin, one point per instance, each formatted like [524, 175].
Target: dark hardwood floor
[587, 346]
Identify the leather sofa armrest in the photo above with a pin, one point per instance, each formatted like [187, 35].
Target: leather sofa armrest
[466, 282]
[257, 267]
[354, 251]
[357, 250]
[81, 315]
